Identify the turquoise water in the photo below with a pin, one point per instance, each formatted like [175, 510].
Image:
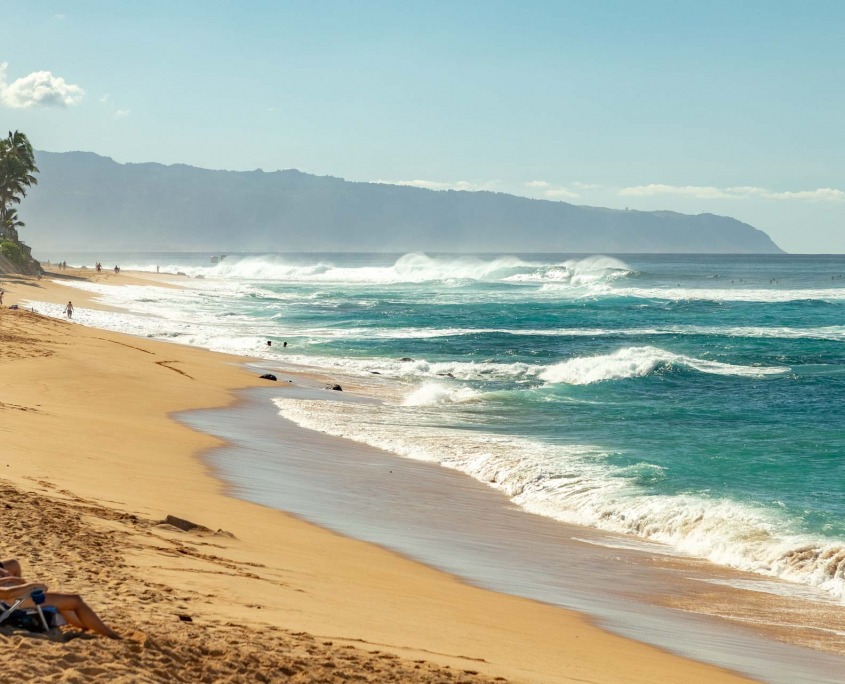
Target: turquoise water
[692, 400]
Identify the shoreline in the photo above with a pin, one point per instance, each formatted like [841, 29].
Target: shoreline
[145, 465]
[458, 525]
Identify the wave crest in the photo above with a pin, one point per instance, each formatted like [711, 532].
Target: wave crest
[638, 362]
[410, 268]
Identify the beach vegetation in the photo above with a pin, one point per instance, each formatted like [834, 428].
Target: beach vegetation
[13, 252]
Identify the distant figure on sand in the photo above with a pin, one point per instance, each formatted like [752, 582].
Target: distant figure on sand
[69, 309]
[1, 297]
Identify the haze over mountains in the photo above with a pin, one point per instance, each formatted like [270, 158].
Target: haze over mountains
[83, 200]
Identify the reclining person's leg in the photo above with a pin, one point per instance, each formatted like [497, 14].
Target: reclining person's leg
[79, 614]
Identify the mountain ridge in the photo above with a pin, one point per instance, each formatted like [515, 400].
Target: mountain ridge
[83, 197]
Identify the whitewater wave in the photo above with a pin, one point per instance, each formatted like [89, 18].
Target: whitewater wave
[831, 332]
[432, 393]
[163, 313]
[419, 368]
[626, 363]
[638, 362]
[167, 302]
[705, 294]
[409, 268]
[194, 331]
[576, 272]
[575, 484]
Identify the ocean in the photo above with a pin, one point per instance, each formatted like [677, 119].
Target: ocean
[692, 400]
[683, 406]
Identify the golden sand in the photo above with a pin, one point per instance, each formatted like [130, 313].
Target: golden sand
[93, 464]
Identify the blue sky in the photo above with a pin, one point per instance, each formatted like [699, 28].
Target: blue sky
[733, 108]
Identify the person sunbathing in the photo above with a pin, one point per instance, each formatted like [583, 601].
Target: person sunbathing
[71, 606]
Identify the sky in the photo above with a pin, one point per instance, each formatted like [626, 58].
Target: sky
[732, 108]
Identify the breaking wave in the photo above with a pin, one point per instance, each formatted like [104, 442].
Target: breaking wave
[410, 268]
[575, 484]
[638, 362]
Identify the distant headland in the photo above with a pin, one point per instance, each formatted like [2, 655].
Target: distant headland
[86, 199]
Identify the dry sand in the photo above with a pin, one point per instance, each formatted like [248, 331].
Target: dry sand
[92, 465]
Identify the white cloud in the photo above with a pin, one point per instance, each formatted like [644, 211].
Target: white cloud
[578, 185]
[558, 193]
[818, 195]
[551, 192]
[38, 89]
[112, 108]
[439, 185]
[700, 191]
[734, 192]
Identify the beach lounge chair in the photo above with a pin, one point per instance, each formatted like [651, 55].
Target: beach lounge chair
[40, 618]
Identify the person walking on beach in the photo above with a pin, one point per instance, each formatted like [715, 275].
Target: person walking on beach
[1, 296]
[69, 309]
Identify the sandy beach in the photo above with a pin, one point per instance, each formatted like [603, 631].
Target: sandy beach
[94, 464]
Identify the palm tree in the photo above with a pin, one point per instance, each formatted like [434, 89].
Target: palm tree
[9, 224]
[17, 166]
[20, 147]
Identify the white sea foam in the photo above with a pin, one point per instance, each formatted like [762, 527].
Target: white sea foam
[191, 331]
[576, 272]
[626, 363]
[410, 268]
[436, 393]
[576, 484]
[637, 362]
[419, 368]
[831, 332]
[192, 316]
[736, 294]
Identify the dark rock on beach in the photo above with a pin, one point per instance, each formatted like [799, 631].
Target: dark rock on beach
[268, 376]
[183, 524]
[334, 387]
